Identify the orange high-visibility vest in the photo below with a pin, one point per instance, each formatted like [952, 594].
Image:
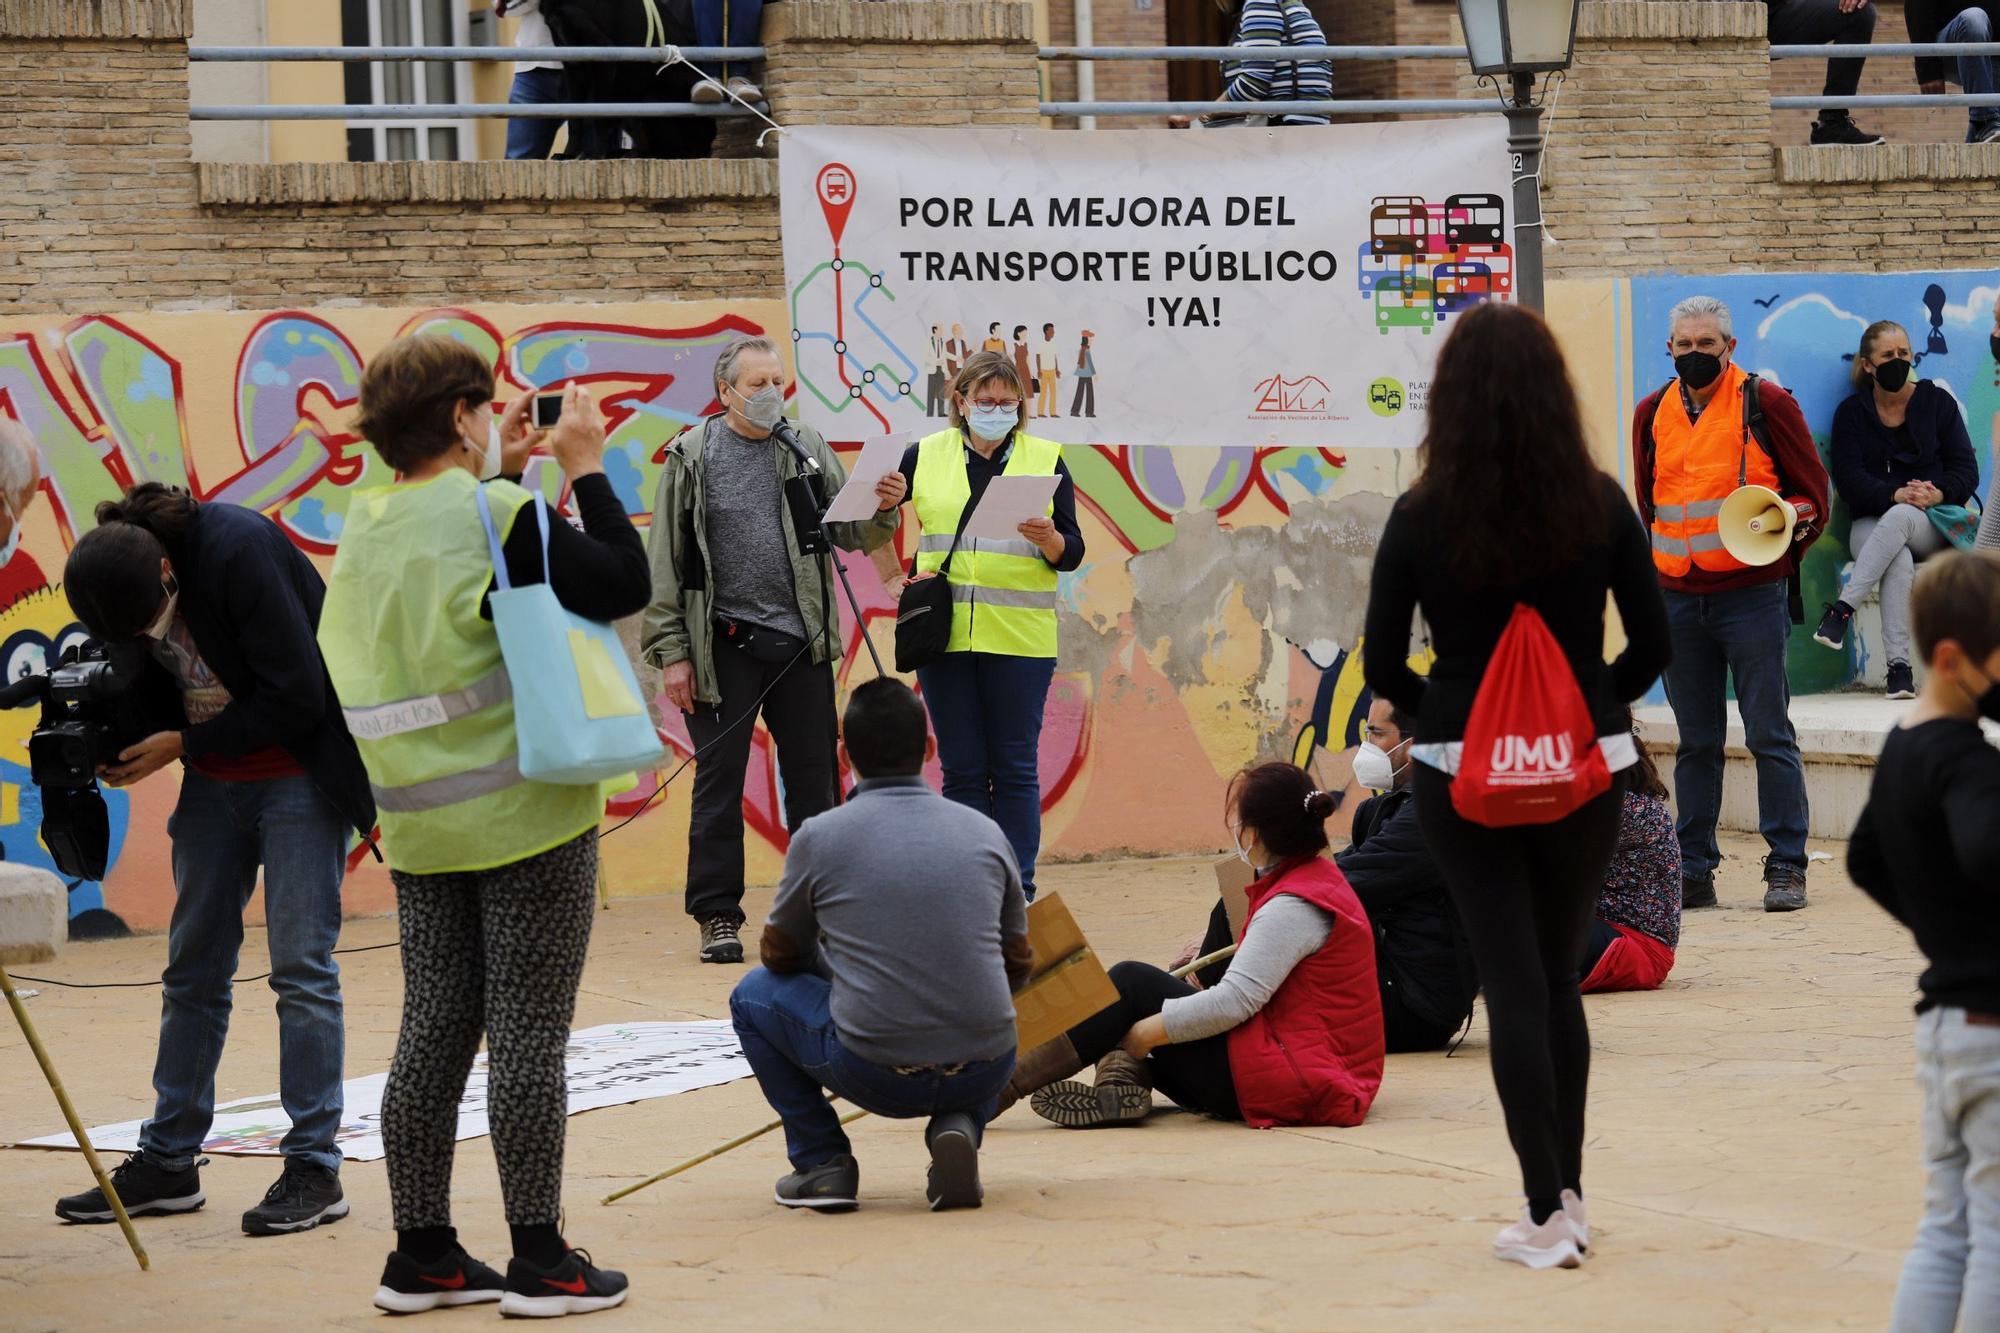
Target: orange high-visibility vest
[1696, 466]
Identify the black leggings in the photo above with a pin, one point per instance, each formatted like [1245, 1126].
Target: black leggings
[1195, 1073]
[1528, 896]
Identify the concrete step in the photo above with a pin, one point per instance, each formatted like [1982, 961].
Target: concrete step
[1839, 737]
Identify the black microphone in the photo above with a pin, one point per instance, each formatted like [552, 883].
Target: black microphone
[790, 439]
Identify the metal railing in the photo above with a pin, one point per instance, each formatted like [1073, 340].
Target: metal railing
[1282, 55]
[1884, 101]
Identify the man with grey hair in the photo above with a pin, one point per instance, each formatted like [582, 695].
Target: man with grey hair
[743, 622]
[20, 478]
[1709, 430]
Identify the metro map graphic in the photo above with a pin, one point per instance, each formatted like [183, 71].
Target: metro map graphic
[866, 364]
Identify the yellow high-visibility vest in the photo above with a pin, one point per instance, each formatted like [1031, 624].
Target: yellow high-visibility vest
[1003, 593]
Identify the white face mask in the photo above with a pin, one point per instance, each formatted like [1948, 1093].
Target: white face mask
[1373, 767]
[13, 542]
[164, 621]
[1236, 841]
[489, 457]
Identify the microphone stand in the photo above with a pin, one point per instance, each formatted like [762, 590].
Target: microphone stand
[805, 495]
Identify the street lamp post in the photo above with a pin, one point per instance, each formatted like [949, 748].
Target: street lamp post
[1516, 40]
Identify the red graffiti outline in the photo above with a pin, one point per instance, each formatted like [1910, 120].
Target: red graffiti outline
[123, 471]
[96, 434]
[341, 467]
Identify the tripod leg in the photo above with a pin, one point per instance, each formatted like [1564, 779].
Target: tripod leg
[853, 605]
[69, 1115]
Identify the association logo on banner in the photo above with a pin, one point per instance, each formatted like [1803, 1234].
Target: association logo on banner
[1301, 399]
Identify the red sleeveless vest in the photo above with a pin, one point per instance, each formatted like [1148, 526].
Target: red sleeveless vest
[1313, 1056]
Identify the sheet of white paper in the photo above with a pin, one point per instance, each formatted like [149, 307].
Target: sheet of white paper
[1008, 503]
[879, 457]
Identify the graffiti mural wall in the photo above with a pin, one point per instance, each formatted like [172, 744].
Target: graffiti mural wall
[1799, 330]
[1215, 620]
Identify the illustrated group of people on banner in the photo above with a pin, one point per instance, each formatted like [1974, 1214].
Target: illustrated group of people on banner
[1040, 366]
[1517, 843]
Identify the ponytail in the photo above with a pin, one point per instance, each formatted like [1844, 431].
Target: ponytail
[1286, 810]
[112, 578]
[165, 511]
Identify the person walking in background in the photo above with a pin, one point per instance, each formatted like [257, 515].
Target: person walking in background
[1503, 417]
[986, 691]
[1926, 847]
[727, 23]
[1693, 443]
[495, 874]
[1813, 22]
[743, 622]
[535, 81]
[1085, 404]
[1638, 923]
[1957, 21]
[1902, 461]
[1048, 375]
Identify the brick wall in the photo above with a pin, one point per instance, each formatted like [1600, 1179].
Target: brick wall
[1114, 23]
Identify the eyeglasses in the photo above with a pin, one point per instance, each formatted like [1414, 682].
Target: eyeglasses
[997, 404]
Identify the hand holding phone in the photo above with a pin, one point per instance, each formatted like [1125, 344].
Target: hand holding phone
[547, 410]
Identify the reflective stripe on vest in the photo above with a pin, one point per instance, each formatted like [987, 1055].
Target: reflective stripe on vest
[1004, 591]
[424, 688]
[1696, 466]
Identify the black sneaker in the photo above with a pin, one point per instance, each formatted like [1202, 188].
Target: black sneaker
[1784, 886]
[1987, 133]
[574, 1286]
[830, 1187]
[1902, 681]
[953, 1139]
[304, 1197]
[1842, 130]
[721, 941]
[1697, 891]
[1832, 631]
[409, 1287]
[146, 1190]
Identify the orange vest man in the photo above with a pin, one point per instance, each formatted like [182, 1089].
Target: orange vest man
[1693, 443]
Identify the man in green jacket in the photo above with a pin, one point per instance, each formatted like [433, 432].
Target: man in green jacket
[742, 621]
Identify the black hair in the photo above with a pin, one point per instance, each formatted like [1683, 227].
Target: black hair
[885, 728]
[112, 577]
[1280, 803]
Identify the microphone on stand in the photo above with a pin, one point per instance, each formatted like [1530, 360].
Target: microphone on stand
[790, 439]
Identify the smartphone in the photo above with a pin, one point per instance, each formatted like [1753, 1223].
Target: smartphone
[546, 410]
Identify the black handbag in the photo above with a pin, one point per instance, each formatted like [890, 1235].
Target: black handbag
[923, 612]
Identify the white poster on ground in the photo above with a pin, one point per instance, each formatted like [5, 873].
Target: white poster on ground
[607, 1066]
[1168, 287]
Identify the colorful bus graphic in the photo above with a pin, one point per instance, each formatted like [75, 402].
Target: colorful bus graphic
[1475, 219]
[1404, 302]
[1458, 286]
[1499, 259]
[1399, 224]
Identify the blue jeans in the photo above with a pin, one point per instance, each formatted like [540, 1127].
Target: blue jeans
[1717, 636]
[788, 1036]
[727, 23]
[987, 711]
[533, 138]
[1975, 73]
[222, 831]
[1952, 1275]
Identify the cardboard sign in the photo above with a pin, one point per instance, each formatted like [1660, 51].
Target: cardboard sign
[1234, 879]
[1066, 982]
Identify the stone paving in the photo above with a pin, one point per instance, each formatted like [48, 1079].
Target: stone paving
[1752, 1164]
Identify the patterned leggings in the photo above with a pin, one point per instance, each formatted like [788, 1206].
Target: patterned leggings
[500, 953]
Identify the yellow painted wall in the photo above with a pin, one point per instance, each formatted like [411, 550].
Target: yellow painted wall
[305, 23]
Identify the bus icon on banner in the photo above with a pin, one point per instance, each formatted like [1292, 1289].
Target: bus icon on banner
[1474, 219]
[1404, 302]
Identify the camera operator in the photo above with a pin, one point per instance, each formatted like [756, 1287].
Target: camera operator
[20, 479]
[225, 604]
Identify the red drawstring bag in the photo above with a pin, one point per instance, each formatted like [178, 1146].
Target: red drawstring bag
[1530, 754]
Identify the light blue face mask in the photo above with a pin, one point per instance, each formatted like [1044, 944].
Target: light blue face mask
[993, 423]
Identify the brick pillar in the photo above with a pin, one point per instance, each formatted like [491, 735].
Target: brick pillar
[901, 62]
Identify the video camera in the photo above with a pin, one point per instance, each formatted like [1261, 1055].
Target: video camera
[91, 712]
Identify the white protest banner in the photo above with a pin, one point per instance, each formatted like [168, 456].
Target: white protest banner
[1248, 286]
[606, 1066]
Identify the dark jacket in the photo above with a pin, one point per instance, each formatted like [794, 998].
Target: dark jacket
[1870, 464]
[251, 601]
[1419, 946]
[1926, 19]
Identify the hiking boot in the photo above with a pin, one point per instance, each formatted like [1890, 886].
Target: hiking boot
[1842, 130]
[409, 1287]
[1784, 886]
[1697, 891]
[953, 1182]
[574, 1286]
[830, 1187]
[1902, 681]
[1036, 1069]
[1552, 1244]
[1832, 631]
[721, 939]
[304, 1197]
[146, 1190]
[1121, 1094]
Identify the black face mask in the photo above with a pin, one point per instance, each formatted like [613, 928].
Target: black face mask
[1988, 703]
[1891, 376]
[1698, 369]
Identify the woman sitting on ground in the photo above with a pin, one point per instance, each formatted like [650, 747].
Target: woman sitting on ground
[1638, 924]
[1306, 964]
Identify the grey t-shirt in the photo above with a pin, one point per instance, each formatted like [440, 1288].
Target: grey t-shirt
[1285, 932]
[751, 566]
[901, 899]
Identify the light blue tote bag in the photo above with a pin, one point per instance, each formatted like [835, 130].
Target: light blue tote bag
[578, 715]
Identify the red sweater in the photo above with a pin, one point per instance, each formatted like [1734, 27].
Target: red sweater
[1801, 472]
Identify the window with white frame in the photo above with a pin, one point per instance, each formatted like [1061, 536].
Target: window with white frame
[407, 83]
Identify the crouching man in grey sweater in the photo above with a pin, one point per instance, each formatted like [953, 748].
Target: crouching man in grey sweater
[890, 957]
